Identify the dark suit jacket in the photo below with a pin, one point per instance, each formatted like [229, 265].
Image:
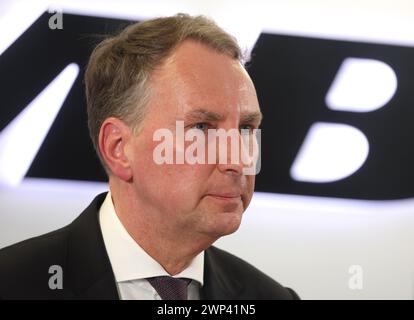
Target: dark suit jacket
[87, 274]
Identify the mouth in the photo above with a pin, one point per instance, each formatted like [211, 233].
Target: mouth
[230, 197]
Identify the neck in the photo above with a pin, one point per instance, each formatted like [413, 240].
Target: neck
[170, 246]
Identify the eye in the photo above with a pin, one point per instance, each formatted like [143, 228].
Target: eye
[200, 126]
[246, 129]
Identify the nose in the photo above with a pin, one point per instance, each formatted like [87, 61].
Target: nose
[231, 153]
[230, 169]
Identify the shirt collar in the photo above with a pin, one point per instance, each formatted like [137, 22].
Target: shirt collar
[128, 260]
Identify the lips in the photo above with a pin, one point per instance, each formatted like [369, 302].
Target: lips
[225, 195]
[230, 198]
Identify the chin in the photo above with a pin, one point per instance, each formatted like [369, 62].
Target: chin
[229, 224]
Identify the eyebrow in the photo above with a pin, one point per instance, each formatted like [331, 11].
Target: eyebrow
[205, 115]
[252, 117]
[202, 114]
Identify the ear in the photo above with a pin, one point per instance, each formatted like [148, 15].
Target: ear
[114, 137]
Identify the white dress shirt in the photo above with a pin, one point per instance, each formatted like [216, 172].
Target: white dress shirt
[132, 265]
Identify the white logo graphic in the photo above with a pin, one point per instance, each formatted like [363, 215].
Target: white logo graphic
[361, 85]
[331, 152]
[21, 139]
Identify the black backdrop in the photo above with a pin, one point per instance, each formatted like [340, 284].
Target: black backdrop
[292, 76]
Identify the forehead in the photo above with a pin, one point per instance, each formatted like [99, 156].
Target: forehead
[196, 76]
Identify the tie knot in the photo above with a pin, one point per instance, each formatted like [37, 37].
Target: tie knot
[170, 288]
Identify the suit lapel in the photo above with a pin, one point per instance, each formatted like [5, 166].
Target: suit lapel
[218, 282]
[89, 270]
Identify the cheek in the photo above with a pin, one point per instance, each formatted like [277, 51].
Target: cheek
[150, 179]
[180, 190]
[250, 180]
[175, 184]
[187, 181]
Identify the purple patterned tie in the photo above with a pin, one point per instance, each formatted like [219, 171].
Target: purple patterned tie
[170, 288]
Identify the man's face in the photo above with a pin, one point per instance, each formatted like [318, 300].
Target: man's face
[206, 90]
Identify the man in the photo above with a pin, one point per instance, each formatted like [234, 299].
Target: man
[151, 236]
